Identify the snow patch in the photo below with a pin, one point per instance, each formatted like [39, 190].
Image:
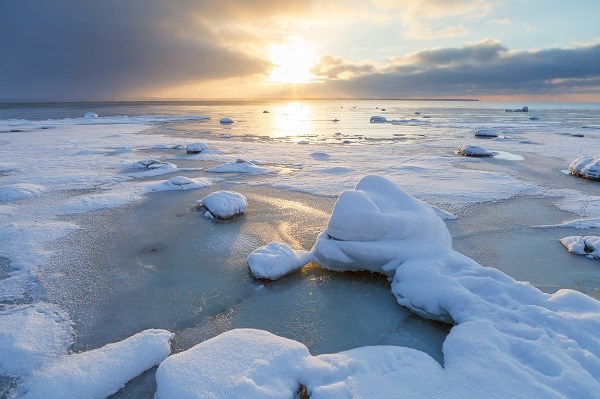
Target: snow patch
[20, 191]
[239, 166]
[275, 260]
[178, 183]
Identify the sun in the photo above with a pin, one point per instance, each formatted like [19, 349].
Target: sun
[292, 60]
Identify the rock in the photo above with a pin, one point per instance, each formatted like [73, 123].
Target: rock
[473, 151]
[196, 148]
[378, 119]
[226, 121]
[224, 204]
[586, 167]
[485, 133]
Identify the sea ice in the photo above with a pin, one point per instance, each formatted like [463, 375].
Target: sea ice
[178, 183]
[485, 133]
[239, 166]
[473, 151]
[226, 121]
[587, 167]
[275, 260]
[196, 148]
[224, 204]
[588, 246]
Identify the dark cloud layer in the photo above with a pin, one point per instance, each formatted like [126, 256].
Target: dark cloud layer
[483, 69]
[70, 49]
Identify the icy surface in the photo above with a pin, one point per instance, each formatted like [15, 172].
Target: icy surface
[588, 246]
[239, 166]
[224, 204]
[515, 339]
[275, 260]
[473, 151]
[588, 167]
[20, 191]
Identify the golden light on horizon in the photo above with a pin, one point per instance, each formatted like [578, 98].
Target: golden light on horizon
[293, 60]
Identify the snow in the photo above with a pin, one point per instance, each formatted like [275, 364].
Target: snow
[224, 204]
[275, 260]
[90, 115]
[196, 148]
[586, 166]
[320, 156]
[226, 121]
[485, 133]
[178, 183]
[239, 166]
[473, 151]
[98, 373]
[588, 246]
[150, 164]
[20, 191]
[97, 202]
[378, 119]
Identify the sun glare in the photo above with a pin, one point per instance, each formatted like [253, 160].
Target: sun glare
[293, 60]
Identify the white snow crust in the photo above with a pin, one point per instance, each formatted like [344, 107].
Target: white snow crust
[239, 166]
[178, 183]
[588, 246]
[587, 166]
[20, 191]
[224, 204]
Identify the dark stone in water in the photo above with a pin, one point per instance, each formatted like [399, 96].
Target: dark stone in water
[154, 248]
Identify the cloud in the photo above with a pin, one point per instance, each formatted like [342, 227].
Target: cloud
[72, 49]
[338, 68]
[482, 69]
[424, 31]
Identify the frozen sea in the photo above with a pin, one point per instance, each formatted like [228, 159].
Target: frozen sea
[101, 250]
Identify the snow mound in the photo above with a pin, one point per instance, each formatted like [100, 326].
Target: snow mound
[224, 204]
[151, 168]
[275, 260]
[226, 121]
[178, 183]
[20, 191]
[196, 148]
[473, 151]
[164, 146]
[380, 218]
[320, 156]
[239, 166]
[588, 246]
[88, 115]
[243, 363]
[485, 133]
[378, 119]
[99, 373]
[586, 167]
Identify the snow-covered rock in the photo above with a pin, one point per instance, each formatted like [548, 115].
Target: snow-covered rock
[224, 204]
[587, 167]
[588, 246]
[90, 115]
[239, 166]
[150, 164]
[226, 121]
[275, 260]
[196, 148]
[178, 183]
[485, 133]
[378, 119]
[524, 109]
[473, 151]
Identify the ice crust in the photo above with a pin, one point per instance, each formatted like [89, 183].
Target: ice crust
[588, 246]
[239, 166]
[179, 183]
[224, 204]
[509, 339]
[587, 167]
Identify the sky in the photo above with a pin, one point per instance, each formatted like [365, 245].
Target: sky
[75, 50]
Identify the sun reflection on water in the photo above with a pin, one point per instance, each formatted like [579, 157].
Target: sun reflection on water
[292, 119]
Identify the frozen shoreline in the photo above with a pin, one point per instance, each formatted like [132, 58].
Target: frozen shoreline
[428, 171]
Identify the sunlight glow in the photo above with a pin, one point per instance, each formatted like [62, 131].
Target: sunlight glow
[291, 120]
[293, 60]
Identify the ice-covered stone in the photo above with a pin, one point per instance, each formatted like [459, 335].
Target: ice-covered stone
[196, 148]
[226, 121]
[485, 133]
[378, 119]
[90, 115]
[178, 183]
[151, 164]
[588, 246]
[473, 151]
[524, 109]
[224, 204]
[587, 167]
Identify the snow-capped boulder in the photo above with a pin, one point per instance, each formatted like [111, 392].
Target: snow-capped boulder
[226, 121]
[151, 164]
[178, 183]
[524, 109]
[588, 246]
[473, 151]
[224, 204]
[195, 148]
[586, 167]
[378, 119]
[275, 260]
[485, 133]
[88, 115]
